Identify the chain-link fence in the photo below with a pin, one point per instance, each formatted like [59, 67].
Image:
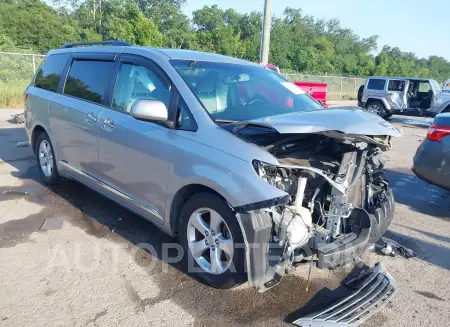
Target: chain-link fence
[339, 88]
[16, 71]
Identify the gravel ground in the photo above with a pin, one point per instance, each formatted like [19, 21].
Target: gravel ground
[87, 273]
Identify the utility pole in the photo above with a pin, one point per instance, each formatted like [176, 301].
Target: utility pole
[265, 35]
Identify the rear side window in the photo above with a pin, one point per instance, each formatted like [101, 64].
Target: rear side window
[376, 84]
[50, 72]
[89, 80]
[396, 85]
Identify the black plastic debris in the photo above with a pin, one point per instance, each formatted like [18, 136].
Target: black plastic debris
[392, 248]
[17, 118]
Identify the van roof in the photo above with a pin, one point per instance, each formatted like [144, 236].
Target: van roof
[169, 53]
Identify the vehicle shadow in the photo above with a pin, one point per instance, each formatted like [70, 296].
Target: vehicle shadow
[100, 217]
[417, 194]
[408, 121]
[432, 253]
[437, 237]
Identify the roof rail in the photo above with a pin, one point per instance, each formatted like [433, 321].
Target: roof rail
[109, 42]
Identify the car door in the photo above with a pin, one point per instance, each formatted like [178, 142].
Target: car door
[76, 115]
[134, 155]
[396, 93]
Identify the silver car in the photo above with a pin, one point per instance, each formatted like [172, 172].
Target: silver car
[386, 96]
[249, 172]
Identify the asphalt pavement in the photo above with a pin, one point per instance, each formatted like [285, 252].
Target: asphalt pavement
[88, 271]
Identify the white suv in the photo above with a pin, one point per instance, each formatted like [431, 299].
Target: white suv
[386, 96]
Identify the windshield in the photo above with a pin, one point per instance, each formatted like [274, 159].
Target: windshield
[435, 85]
[242, 92]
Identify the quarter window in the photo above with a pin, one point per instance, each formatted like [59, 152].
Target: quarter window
[89, 80]
[50, 72]
[185, 121]
[396, 85]
[138, 82]
[376, 84]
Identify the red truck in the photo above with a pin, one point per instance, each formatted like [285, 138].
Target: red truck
[316, 90]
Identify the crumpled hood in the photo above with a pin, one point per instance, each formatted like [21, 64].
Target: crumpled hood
[345, 120]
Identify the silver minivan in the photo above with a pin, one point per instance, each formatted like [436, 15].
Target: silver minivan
[249, 172]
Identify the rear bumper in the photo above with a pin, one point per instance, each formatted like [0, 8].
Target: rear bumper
[428, 161]
[432, 176]
[370, 292]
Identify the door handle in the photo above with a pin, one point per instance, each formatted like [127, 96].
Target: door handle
[108, 122]
[90, 118]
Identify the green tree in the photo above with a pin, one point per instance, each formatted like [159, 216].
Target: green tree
[128, 23]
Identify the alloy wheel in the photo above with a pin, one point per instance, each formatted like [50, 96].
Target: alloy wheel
[210, 241]
[46, 158]
[374, 108]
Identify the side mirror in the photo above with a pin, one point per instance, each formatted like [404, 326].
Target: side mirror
[150, 110]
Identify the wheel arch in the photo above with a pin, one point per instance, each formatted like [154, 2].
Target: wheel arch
[37, 130]
[382, 100]
[181, 197]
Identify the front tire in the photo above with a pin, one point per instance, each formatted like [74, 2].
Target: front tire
[46, 160]
[212, 241]
[376, 107]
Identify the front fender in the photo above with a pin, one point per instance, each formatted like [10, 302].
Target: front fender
[234, 179]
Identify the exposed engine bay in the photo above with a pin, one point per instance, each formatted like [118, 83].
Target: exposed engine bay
[337, 202]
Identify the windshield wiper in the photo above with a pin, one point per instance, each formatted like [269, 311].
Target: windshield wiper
[224, 121]
[243, 124]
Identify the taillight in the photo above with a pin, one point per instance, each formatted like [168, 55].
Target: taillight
[25, 97]
[436, 132]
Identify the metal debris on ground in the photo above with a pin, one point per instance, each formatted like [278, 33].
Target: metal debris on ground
[17, 118]
[22, 144]
[391, 247]
[52, 224]
[11, 192]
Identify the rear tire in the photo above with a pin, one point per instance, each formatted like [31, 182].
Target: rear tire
[360, 93]
[212, 238]
[46, 161]
[376, 107]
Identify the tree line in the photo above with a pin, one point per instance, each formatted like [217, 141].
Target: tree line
[299, 42]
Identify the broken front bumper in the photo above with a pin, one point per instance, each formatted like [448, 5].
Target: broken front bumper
[266, 261]
[351, 246]
[370, 291]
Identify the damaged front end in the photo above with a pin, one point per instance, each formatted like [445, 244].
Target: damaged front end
[337, 202]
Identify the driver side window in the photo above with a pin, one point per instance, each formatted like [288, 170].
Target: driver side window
[138, 82]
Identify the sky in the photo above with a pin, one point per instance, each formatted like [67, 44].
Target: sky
[412, 25]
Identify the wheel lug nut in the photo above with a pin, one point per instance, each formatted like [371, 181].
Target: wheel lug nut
[213, 248]
[217, 242]
[206, 242]
[212, 233]
[206, 233]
